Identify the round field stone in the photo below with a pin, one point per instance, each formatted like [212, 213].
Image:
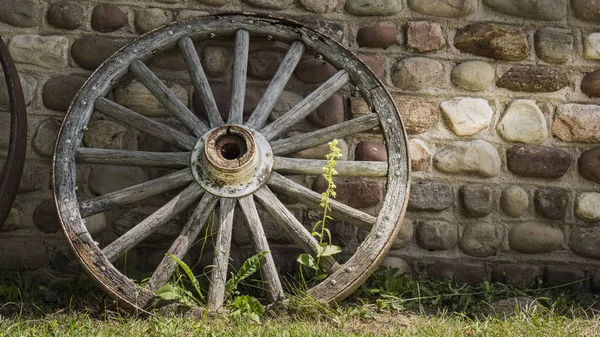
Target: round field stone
[106, 134]
[534, 238]
[585, 242]
[460, 272]
[373, 7]
[107, 178]
[523, 122]
[514, 201]
[591, 46]
[589, 164]
[477, 200]
[436, 235]
[216, 60]
[533, 79]
[147, 19]
[416, 73]
[577, 123]
[58, 92]
[396, 263]
[270, 4]
[466, 116]
[587, 207]
[430, 196]
[67, 15]
[319, 6]
[425, 36]
[263, 63]
[135, 96]
[90, 52]
[405, 234]
[28, 85]
[554, 45]
[551, 203]
[354, 192]
[481, 240]
[312, 70]
[550, 10]
[419, 154]
[444, 8]
[50, 52]
[108, 18]
[516, 274]
[222, 93]
[473, 75]
[287, 101]
[46, 218]
[380, 35]
[586, 9]
[213, 2]
[590, 84]
[475, 157]
[374, 64]
[21, 13]
[169, 59]
[370, 151]
[45, 136]
[418, 114]
[497, 41]
[538, 161]
[329, 113]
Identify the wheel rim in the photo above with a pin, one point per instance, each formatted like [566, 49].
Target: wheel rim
[343, 279]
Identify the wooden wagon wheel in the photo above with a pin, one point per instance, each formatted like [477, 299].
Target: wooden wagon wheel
[229, 162]
[17, 146]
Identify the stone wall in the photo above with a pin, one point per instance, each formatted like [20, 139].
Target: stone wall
[499, 98]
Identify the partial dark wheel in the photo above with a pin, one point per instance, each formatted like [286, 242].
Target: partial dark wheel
[222, 164]
[17, 146]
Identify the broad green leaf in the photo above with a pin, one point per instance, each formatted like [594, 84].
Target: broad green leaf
[307, 261]
[189, 273]
[249, 267]
[330, 250]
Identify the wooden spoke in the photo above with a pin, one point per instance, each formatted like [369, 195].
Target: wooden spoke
[238, 82]
[314, 167]
[184, 241]
[149, 225]
[135, 193]
[259, 240]
[132, 158]
[145, 124]
[167, 98]
[218, 276]
[307, 105]
[311, 198]
[293, 227]
[322, 136]
[194, 67]
[271, 95]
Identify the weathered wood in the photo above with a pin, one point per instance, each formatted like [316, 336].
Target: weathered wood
[306, 106]
[145, 124]
[260, 243]
[184, 241]
[218, 275]
[339, 211]
[132, 158]
[275, 88]
[293, 227]
[238, 81]
[135, 193]
[314, 167]
[322, 136]
[167, 98]
[126, 221]
[140, 232]
[196, 71]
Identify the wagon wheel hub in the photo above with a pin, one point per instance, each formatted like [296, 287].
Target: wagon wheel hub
[232, 161]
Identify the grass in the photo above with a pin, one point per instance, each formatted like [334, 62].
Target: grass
[385, 306]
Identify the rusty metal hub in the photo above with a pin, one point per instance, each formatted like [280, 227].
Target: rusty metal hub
[232, 161]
